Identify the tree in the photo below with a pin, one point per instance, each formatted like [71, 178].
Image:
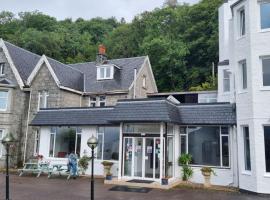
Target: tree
[171, 3]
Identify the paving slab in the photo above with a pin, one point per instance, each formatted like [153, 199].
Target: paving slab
[32, 188]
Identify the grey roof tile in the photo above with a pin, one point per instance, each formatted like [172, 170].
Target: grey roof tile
[68, 76]
[25, 61]
[122, 80]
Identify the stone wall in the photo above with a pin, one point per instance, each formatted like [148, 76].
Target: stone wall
[14, 119]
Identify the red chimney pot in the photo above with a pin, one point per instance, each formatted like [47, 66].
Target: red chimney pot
[102, 49]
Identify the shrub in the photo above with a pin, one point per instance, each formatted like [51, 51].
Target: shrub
[184, 161]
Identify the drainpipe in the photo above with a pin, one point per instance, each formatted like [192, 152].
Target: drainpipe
[135, 83]
[27, 128]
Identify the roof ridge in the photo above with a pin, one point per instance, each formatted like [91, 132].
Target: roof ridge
[81, 63]
[22, 48]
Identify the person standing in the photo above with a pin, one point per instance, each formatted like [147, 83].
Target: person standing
[72, 159]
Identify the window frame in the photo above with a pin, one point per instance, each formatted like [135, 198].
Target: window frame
[7, 100]
[1, 145]
[91, 101]
[221, 166]
[37, 143]
[106, 75]
[226, 79]
[2, 69]
[244, 85]
[264, 87]
[242, 29]
[53, 132]
[244, 149]
[101, 102]
[266, 172]
[144, 82]
[43, 94]
[260, 23]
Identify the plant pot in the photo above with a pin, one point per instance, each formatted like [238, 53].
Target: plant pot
[164, 181]
[109, 177]
[107, 167]
[207, 177]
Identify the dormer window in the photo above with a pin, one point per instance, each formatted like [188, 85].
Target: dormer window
[105, 72]
[2, 69]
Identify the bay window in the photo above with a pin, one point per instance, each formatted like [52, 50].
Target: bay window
[3, 100]
[265, 15]
[208, 145]
[108, 143]
[63, 141]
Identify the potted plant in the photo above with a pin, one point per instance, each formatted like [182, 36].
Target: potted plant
[83, 163]
[206, 172]
[107, 169]
[184, 161]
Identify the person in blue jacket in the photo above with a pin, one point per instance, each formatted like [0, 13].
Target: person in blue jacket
[72, 160]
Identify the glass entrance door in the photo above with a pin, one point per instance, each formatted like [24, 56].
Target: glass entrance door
[141, 157]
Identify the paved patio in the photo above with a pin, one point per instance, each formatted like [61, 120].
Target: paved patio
[31, 188]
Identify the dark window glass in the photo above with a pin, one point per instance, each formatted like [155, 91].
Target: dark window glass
[204, 145]
[225, 151]
[247, 149]
[266, 71]
[267, 147]
[265, 15]
[183, 141]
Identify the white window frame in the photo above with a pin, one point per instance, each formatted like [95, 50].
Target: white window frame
[261, 61]
[241, 24]
[91, 101]
[7, 100]
[226, 79]
[43, 94]
[246, 171]
[2, 69]
[37, 143]
[103, 101]
[220, 145]
[106, 75]
[102, 147]
[243, 63]
[144, 82]
[1, 145]
[260, 18]
[54, 142]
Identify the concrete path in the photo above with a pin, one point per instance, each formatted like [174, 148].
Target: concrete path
[31, 188]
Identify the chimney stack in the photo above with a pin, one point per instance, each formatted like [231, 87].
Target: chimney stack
[101, 56]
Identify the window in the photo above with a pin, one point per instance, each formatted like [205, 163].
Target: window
[267, 147]
[43, 99]
[183, 140]
[242, 22]
[243, 79]
[207, 98]
[104, 72]
[208, 145]
[108, 143]
[102, 101]
[64, 141]
[93, 102]
[1, 146]
[3, 100]
[246, 148]
[2, 69]
[144, 82]
[266, 71]
[226, 80]
[265, 15]
[37, 142]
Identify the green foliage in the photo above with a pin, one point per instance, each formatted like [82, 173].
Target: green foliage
[208, 170]
[184, 161]
[181, 40]
[84, 162]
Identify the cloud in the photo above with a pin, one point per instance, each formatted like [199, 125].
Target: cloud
[86, 9]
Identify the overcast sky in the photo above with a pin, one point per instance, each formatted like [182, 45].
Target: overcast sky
[86, 9]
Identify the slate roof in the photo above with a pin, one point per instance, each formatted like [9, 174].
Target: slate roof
[71, 117]
[68, 76]
[122, 80]
[145, 110]
[81, 76]
[25, 61]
